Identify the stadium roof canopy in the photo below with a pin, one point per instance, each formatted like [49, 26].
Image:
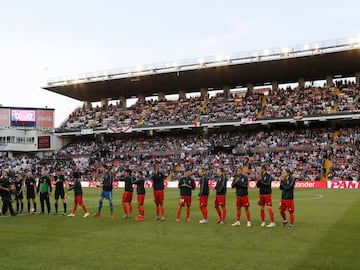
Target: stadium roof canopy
[311, 63]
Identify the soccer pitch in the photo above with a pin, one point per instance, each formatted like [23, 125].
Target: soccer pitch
[326, 236]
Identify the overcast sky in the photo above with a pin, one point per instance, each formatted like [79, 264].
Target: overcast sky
[42, 38]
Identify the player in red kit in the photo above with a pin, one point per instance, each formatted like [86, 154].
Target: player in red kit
[220, 199]
[203, 195]
[78, 198]
[265, 199]
[158, 179]
[140, 190]
[186, 185]
[126, 200]
[240, 182]
[287, 185]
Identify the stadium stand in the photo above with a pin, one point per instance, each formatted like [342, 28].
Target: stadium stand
[281, 103]
[305, 151]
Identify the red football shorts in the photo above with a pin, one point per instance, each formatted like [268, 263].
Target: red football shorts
[185, 201]
[287, 205]
[203, 200]
[242, 201]
[220, 200]
[158, 196]
[127, 197]
[140, 199]
[265, 199]
[78, 199]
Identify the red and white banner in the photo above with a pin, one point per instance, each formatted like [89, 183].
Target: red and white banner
[344, 184]
[252, 184]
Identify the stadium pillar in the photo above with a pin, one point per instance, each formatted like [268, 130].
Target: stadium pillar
[161, 96]
[182, 95]
[104, 102]
[141, 98]
[357, 79]
[203, 92]
[274, 86]
[122, 102]
[329, 80]
[226, 90]
[87, 104]
[250, 88]
[301, 82]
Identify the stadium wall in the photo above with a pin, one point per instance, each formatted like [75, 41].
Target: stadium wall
[28, 140]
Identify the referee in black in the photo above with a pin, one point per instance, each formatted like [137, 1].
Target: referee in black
[5, 193]
[60, 186]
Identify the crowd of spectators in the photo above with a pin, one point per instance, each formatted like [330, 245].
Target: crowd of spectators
[288, 102]
[311, 101]
[303, 151]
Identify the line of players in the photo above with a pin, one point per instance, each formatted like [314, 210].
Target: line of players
[186, 184]
[12, 190]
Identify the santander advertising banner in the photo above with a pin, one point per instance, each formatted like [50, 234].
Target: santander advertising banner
[252, 184]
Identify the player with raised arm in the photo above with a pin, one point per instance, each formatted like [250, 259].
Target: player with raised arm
[106, 191]
[287, 185]
[186, 185]
[265, 199]
[139, 181]
[78, 198]
[240, 183]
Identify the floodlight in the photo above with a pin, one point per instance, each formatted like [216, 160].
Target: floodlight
[285, 51]
[219, 58]
[266, 52]
[351, 41]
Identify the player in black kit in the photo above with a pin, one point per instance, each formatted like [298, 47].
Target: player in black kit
[5, 193]
[30, 184]
[61, 187]
[19, 185]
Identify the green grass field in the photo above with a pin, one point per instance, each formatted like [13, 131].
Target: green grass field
[326, 236]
